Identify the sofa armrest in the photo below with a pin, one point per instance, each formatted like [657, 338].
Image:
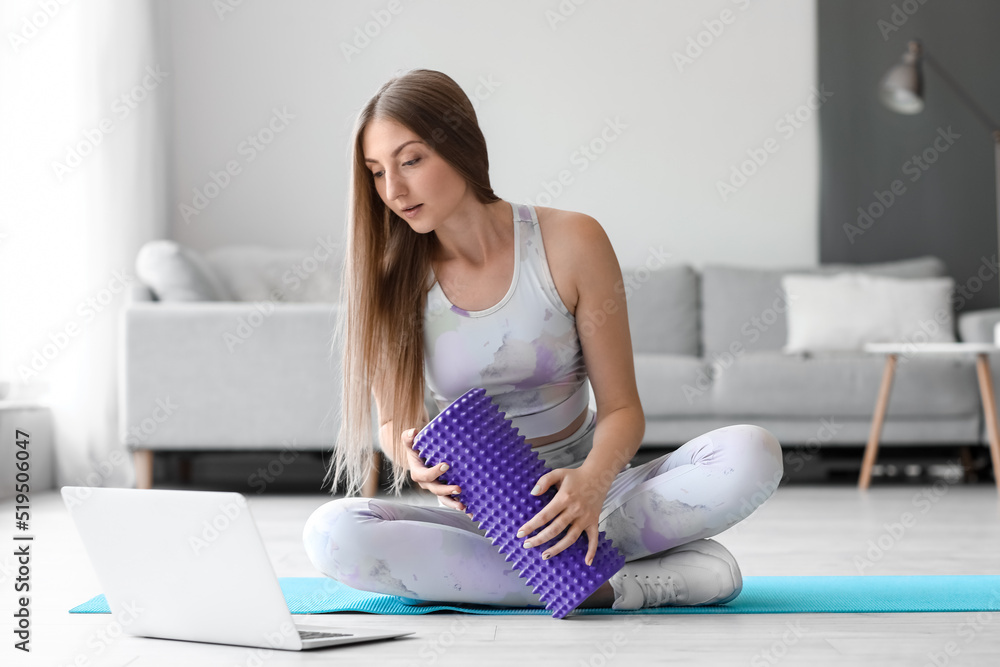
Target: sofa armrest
[228, 375]
[138, 293]
[977, 326]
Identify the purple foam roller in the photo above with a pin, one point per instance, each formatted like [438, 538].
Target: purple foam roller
[496, 469]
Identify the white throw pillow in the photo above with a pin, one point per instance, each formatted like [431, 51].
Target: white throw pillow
[843, 311]
[261, 273]
[177, 273]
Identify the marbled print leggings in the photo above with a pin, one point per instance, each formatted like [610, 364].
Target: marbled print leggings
[438, 554]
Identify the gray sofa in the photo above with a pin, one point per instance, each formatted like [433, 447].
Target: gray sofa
[687, 324]
[230, 375]
[184, 384]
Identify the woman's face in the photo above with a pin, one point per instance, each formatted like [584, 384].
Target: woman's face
[407, 172]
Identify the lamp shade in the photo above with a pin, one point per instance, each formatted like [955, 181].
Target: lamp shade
[902, 87]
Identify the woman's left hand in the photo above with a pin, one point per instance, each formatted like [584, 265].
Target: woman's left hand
[577, 504]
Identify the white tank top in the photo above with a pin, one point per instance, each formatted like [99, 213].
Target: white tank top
[525, 350]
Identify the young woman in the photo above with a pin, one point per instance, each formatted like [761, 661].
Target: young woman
[448, 287]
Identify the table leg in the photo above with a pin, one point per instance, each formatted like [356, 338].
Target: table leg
[990, 412]
[871, 449]
[143, 459]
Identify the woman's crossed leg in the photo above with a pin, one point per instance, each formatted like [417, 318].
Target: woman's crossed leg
[436, 553]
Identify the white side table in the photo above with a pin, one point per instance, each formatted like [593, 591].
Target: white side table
[986, 394]
[36, 420]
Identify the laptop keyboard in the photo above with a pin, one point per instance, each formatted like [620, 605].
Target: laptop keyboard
[304, 634]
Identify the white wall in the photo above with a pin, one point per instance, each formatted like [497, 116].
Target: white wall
[555, 88]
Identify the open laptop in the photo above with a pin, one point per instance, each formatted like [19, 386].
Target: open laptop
[191, 565]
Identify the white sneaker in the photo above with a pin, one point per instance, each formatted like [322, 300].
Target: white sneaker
[697, 573]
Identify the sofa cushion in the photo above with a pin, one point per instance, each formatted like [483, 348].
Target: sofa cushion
[663, 309]
[745, 307]
[176, 273]
[261, 273]
[845, 384]
[672, 385]
[846, 310]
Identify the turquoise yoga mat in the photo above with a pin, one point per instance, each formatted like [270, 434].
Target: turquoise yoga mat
[761, 595]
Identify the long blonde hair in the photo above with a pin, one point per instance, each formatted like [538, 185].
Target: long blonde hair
[387, 269]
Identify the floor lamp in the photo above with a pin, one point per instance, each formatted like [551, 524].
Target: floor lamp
[902, 90]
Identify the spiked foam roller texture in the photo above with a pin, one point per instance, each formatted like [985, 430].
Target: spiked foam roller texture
[496, 469]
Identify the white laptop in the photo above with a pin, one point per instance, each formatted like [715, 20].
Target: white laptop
[191, 565]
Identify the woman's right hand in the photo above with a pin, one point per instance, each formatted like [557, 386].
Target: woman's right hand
[426, 478]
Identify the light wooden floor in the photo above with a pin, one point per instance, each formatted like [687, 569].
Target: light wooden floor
[802, 530]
